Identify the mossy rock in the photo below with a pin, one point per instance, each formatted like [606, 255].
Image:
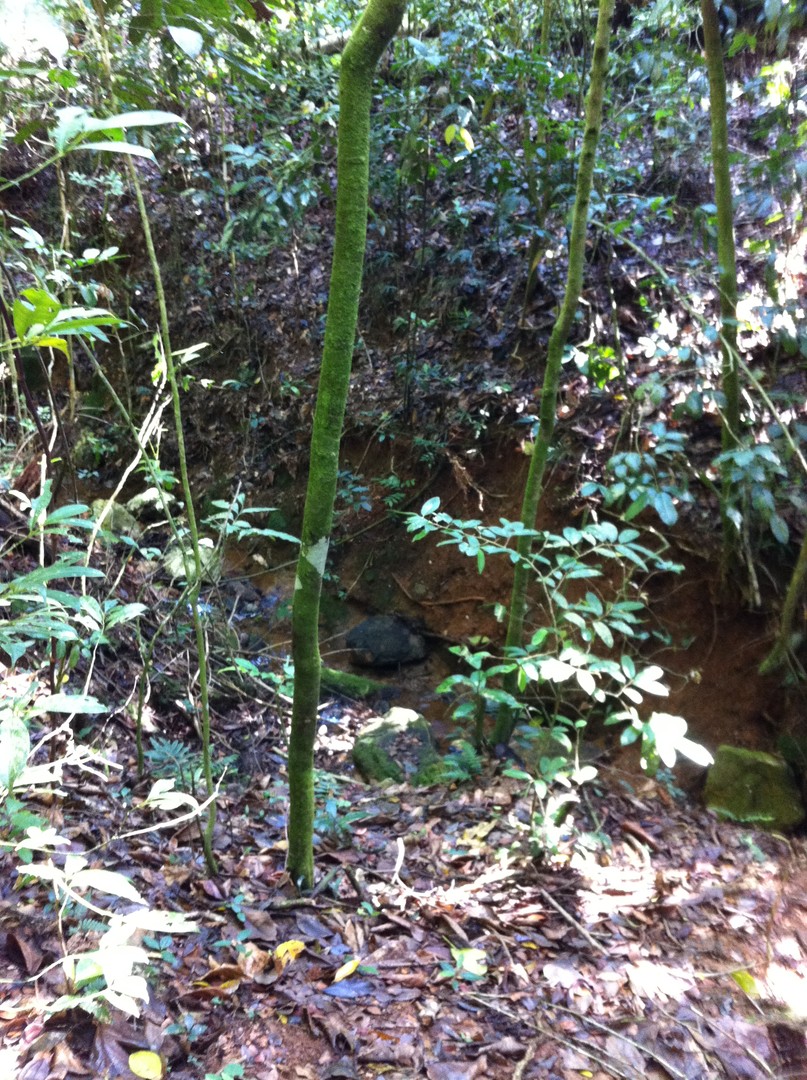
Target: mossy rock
[755, 788]
[150, 502]
[118, 520]
[210, 558]
[397, 746]
[352, 686]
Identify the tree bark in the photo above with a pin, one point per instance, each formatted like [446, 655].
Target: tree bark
[726, 253]
[788, 638]
[557, 342]
[373, 33]
[727, 267]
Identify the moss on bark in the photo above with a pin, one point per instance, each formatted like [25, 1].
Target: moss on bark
[373, 33]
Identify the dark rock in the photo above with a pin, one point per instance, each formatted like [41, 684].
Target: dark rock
[384, 641]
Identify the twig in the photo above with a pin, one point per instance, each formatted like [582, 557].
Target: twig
[353, 878]
[518, 1072]
[438, 603]
[592, 941]
[322, 885]
[572, 1044]
[585, 1019]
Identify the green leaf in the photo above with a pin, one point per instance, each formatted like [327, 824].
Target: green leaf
[471, 963]
[117, 148]
[15, 745]
[603, 632]
[669, 735]
[51, 343]
[34, 307]
[189, 41]
[106, 881]
[123, 613]
[137, 119]
[647, 680]
[746, 982]
[83, 704]
[665, 508]
[779, 528]
[71, 123]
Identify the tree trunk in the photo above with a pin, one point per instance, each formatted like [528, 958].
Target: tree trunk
[788, 639]
[557, 342]
[373, 33]
[726, 255]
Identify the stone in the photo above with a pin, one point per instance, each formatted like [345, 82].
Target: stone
[210, 557]
[150, 502]
[753, 787]
[397, 746]
[385, 641]
[117, 519]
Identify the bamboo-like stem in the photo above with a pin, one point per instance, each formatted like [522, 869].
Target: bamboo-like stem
[193, 569]
[557, 342]
[373, 33]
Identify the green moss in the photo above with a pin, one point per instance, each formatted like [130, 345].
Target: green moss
[753, 787]
[117, 520]
[396, 747]
[353, 686]
[374, 763]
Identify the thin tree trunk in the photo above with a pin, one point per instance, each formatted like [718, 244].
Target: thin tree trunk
[726, 254]
[557, 342]
[787, 639]
[373, 33]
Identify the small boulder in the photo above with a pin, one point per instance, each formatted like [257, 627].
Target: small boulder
[178, 560]
[753, 787]
[117, 519]
[385, 641]
[150, 503]
[397, 746]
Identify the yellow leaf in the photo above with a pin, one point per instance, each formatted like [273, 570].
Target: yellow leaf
[467, 139]
[475, 833]
[288, 951]
[746, 982]
[147, 1064]
[52, 343]
[451, 132]
[346, 969]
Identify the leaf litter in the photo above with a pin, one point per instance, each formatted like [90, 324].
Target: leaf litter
[435, 944]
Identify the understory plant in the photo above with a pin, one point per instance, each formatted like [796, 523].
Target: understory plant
[110, 973]
[582, 661]
[49, 633]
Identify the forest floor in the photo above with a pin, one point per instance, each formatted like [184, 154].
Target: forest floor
[645, 940]
[448, 936]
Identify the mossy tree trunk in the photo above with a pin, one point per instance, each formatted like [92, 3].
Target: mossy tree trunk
[540, 191]
[557, 342]
[788, 639]
[726, 253]
[373, 33]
